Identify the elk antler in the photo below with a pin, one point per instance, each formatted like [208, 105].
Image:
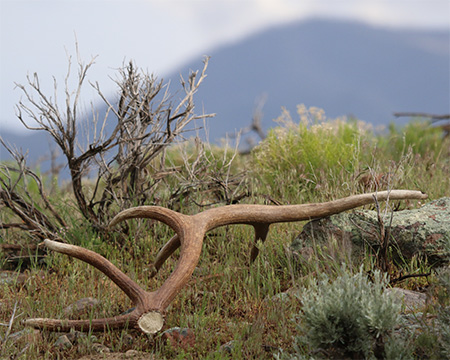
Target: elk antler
[190, 231]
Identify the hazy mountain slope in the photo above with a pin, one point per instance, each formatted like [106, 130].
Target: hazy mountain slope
[344, 68]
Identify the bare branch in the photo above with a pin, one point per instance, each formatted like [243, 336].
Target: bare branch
[423, 115]
[9, 325]
[144, 122]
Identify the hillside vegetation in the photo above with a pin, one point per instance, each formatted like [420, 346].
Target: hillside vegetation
[327, 306]
[313, 160]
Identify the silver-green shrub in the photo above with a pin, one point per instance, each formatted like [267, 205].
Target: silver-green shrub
[444, 312]
[350, 316]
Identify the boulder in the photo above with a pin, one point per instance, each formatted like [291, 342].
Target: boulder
[423, 232]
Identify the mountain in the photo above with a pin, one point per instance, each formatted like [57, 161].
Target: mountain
[343, 68]
[346, 68]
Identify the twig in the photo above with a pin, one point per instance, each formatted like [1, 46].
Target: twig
[404, 277]
[11, 321]
[420, 114]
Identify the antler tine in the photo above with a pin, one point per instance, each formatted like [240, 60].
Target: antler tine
[128, 286]
[138, 296]
[169, 217]
[261, 216]
[261, 231]
[271, 214]
[165, 252]
[80, 325]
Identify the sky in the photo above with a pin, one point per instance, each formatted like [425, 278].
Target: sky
[160, 35]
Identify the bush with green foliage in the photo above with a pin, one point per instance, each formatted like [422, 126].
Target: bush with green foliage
[444, 312]
[302, 155]
[419, 136]
[350, 316]
[318, 159]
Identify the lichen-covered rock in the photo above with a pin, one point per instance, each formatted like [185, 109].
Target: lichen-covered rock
[422, 232]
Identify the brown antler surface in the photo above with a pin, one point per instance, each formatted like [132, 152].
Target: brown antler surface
[190, 231]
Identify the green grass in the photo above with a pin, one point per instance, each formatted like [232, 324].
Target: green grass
[297, 160]
[227, 299]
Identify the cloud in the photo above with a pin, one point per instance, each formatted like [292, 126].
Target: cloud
[215, 22]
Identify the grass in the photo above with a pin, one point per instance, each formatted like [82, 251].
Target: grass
[228, 300]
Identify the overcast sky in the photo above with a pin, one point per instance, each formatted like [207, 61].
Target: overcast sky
[161, 35]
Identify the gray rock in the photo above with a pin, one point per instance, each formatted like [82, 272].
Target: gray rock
[101, 349]
[27, 335]
[78, 336]
[8, 277]
[73, 336]
[228, 347]
[285, 296]
[132, 354]
[410, 300]
[179, 337]
[63, 342]
[421, 232]
[81, 306]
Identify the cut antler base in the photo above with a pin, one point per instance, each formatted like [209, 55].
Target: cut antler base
[145, 317]
[190, 231]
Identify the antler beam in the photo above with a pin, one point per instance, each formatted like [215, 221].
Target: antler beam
[190, 232]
